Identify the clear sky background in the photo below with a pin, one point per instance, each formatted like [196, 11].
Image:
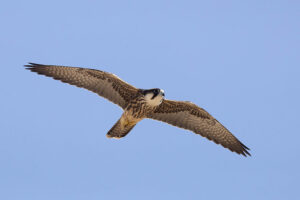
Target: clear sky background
[237, 59]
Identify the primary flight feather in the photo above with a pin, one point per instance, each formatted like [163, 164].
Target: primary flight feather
[140, 103]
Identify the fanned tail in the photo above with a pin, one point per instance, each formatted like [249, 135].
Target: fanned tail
[120, 129]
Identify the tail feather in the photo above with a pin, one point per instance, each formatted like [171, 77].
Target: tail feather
[120, 130]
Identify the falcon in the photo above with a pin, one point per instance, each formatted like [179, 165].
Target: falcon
[139, 104]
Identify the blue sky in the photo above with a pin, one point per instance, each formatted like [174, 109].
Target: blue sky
[237, 59]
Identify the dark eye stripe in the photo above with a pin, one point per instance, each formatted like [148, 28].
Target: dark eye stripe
[155, 92]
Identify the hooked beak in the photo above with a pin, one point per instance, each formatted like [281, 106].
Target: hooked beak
[162, 92]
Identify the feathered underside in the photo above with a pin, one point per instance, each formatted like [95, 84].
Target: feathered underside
[104, 84]
[189, 116]
[178, 113]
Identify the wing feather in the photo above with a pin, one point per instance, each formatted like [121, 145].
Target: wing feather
[189, 116]
[104, 84]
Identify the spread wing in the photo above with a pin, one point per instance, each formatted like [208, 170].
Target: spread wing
[189, 116]
[104, 84]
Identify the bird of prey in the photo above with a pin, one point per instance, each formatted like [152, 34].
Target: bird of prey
[143, 103]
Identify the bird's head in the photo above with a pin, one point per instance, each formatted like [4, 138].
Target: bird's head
[154, 97]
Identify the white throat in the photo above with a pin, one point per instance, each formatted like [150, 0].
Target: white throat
[153, 102]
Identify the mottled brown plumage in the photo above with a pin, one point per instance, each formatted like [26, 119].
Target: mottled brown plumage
[139, 104]
[189, 116]
[105, 84]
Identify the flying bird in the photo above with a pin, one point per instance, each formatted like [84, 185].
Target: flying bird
[139, 104]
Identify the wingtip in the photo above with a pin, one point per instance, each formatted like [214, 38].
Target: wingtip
[31, 64]
[245, 151]
[246, 154]
[34, 67]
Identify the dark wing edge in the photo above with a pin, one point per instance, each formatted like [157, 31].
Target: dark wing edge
[189, 116]
[103, 83]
